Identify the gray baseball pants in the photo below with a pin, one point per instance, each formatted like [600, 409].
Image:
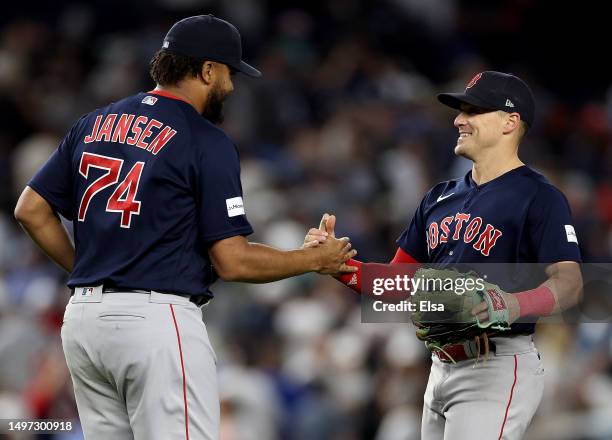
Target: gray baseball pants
[142, 366]
[490, 400]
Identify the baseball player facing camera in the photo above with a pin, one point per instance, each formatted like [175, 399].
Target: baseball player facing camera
[153, 190]
[501, 211]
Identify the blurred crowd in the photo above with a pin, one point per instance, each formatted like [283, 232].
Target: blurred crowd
[344, 121]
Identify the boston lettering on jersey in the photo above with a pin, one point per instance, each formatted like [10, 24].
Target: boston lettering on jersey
[116, 128]
[442, 232]
[519, 217]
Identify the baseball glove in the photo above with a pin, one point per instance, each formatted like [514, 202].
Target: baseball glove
[443, 316]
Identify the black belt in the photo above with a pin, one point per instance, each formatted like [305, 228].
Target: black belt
[198, 300]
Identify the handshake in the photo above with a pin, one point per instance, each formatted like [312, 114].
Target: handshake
[332, 253]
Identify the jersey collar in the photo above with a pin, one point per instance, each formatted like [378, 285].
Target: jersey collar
[167, 95]
[470, 182]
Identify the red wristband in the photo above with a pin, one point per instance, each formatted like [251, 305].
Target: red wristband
[536, 302]
[352, 280]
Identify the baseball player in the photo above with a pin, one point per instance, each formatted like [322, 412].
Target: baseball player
[153, 191]
[500, 212]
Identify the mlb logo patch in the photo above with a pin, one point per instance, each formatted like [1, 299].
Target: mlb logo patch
[149, 100]
[87, 294]
[87, 291]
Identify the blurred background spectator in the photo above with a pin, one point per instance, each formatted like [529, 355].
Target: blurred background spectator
[345, 120]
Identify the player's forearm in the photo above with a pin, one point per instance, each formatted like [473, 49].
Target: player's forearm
[565, 282]
[51, 236]
[236, 259]
[559, 292]
[40, 222]
[258, 263]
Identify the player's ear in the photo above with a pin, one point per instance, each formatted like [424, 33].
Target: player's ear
[207, 74]
[512, 123]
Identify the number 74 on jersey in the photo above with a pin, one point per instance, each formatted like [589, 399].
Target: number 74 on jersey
[123, 199]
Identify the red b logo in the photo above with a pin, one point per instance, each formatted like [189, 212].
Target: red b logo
[473, 81]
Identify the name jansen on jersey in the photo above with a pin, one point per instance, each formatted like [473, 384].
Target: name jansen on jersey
[141, 128]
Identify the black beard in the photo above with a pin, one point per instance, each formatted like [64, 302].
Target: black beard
[213, 111]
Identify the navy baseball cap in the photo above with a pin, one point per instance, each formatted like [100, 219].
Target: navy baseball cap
[208, 37]
[492, 90]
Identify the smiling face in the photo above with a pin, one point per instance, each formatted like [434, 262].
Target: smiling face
[479, 129]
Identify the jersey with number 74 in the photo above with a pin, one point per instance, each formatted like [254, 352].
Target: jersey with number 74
[148, 183]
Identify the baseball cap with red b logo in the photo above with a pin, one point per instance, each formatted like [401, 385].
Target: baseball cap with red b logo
[492, 90]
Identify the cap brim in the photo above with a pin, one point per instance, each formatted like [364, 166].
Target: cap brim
[247, 69]
[454, 100]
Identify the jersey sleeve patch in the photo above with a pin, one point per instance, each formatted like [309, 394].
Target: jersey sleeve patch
[571, 234]
[235, 206]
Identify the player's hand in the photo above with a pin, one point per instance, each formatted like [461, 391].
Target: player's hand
[324, 234]
[315, 236]
[333, 254]
[511, 303]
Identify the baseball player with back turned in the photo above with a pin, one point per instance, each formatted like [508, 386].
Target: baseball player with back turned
[500, 212]
[153, 191]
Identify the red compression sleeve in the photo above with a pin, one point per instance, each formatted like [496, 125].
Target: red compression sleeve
[536, 302]
[353, 280]
[402, 257]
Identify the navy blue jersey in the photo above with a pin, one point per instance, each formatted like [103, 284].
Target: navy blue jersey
[149, 184]
[518, 217]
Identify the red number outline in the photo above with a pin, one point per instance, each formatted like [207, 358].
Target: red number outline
[112, 167]
[127, 205]
[130, 184]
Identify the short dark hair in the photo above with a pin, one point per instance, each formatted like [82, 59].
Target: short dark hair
[168, 69]
[525, 129]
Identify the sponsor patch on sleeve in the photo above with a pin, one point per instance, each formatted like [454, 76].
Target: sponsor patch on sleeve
[235, 206]
[571, 234]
